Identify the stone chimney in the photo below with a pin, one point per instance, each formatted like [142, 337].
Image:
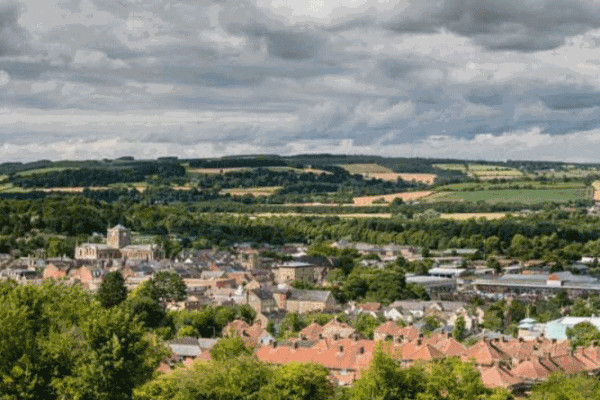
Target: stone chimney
[281, 299]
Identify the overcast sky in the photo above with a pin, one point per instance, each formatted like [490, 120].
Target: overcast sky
[469, 79]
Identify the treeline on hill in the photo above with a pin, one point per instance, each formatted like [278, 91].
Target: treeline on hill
[551, 234]
[97, 176]
[293, 182]
[213, 201]
[239, 162]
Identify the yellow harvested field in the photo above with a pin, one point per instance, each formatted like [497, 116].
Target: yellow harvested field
[491, 177]
[181, 188]
[427, 179]
[210, 171]
[293, 214]
[77, 189]
[316, 171]
[366, 169]
[466, 216]
[596, 186]
[256, 191]
[388, 198]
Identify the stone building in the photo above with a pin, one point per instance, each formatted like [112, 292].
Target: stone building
[118, 245]
[291, 271]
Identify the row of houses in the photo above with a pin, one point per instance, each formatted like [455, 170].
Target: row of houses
[515, 364]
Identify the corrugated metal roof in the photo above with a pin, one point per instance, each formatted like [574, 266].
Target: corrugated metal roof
[185, 350]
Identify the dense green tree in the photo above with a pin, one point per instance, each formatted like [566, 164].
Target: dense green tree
[583, 334]
[227, 348]
[148, 311]
[559, 387]
[366, 324]
[164, 287]
[453, 379]
[493, 318]
[520, 246]
[239, 378]
[291, 324]
[295, 381]
[112, 290]
[460, 328]
[385, 380]
[494, 264]
[59, 342]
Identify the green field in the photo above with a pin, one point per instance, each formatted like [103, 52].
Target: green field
[478, 186]
[483, 171]
[451, 167]
[525, 196]
[569, 173]
[30, 172]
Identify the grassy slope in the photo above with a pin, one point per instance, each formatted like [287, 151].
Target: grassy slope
[525, 196]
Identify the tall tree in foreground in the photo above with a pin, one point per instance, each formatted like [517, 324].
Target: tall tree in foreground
[385, 380]
[235, 379]
[559, 387]
[229, 348]
[57, 342]
[112, 291]
[296, 381]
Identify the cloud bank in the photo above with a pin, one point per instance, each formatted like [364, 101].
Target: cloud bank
[465, 79]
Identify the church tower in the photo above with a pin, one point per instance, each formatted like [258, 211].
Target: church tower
[118, 237]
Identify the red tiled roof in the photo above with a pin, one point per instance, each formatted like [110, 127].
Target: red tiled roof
[497, 376]
[312, 331]
[335, 327]
[425, 353]
[390, 328]
[484, 353]
[569, 364]
[534, 369]
[451, 347]
[236, 326]
[592, 352]
[410, 332]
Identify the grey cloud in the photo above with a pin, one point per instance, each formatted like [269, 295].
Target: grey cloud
[13, 38]
[23, 70]
[357, 23]
[567, 101]
[284, 44]
[396, 69]
[292, 46]
[502, 25]
[485, 97]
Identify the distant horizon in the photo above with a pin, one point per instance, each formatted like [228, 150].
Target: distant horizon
[235, 156]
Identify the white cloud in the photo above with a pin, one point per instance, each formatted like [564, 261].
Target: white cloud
[4, 78]
[96, 59]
